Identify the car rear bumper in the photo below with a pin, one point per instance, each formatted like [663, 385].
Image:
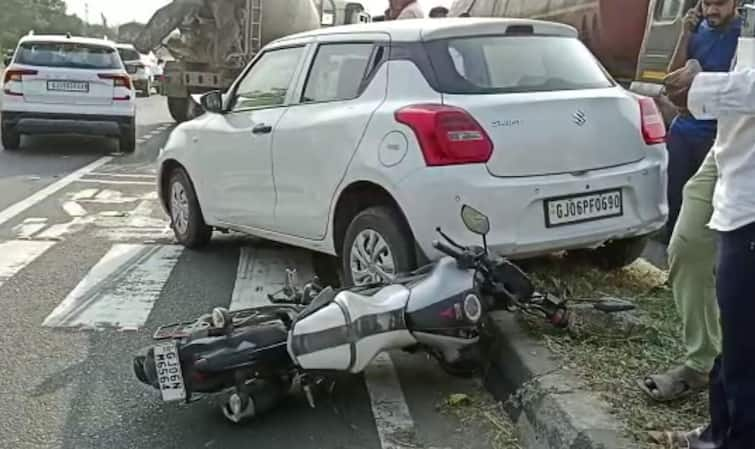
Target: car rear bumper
[433, 197]
[52, 123]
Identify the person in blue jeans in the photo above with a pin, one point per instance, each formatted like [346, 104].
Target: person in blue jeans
[710, 36]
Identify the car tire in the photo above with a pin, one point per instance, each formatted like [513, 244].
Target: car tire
[186, 217]
[11, 139]
[178, 108]
[397, 244]
[127, 140]
[617, 254]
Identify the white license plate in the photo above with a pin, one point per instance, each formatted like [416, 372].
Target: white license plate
[586, 207]
[169, 373]
[68, 86]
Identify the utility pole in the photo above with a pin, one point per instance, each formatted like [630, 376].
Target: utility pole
[86, 18]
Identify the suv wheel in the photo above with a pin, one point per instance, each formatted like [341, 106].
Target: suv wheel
[376, 245]
[127, 140]
[186, 217]
[10, 138]
[616, 253]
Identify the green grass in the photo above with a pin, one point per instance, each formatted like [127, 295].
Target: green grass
[611, 365]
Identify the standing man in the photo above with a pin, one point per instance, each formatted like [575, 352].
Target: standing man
[406, 9]
[729, 98]
[710, 34]
[692, 245]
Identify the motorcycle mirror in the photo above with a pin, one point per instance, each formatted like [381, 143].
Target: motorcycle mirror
[475, 220]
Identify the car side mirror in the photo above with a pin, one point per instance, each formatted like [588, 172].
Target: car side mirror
[212, 101]
[7, 60]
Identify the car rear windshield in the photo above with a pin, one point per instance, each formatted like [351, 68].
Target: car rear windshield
[513, 64]
[129, 55]
[68, 55]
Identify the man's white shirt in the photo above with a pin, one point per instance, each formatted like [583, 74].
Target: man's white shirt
[730, 99]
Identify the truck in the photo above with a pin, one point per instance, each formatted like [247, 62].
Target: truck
[211, 41]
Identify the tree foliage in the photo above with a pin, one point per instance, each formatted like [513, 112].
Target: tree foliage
[18, 17]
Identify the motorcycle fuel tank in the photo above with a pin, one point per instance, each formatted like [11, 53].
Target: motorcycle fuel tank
[350, 330]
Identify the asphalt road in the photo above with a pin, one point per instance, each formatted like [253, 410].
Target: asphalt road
[88, 270]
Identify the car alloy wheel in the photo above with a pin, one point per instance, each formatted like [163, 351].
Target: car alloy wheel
[371, 259]
[179, 208]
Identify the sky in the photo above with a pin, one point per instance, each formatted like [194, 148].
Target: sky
[118, 11]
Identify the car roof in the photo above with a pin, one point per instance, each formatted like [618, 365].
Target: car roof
[430, 28]
[64, 38]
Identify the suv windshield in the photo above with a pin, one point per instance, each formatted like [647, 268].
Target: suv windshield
[129, 55]
[511, 64]
[67, 54]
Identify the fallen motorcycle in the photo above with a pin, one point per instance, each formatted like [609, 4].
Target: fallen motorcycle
[257, 356]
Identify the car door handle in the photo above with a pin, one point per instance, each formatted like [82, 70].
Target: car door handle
[262, 129]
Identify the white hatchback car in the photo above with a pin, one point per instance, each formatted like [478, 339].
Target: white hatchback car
[67, 85]
[359, 141]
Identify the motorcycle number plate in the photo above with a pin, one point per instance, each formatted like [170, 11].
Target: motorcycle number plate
[169, 373]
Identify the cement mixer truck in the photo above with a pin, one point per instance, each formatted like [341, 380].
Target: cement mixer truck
[211, 41]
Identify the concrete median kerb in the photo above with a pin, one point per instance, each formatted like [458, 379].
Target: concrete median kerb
[550, 406]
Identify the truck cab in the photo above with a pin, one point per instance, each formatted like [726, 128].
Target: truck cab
[664, 24]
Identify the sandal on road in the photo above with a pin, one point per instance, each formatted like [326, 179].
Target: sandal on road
[674, 384]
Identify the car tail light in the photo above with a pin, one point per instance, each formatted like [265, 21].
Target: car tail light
[16, 75]
[653, 128]
[447, 135]
[118, 81]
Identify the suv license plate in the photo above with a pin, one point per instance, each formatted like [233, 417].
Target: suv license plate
[68, 86]
[572, 209]
[169, 373]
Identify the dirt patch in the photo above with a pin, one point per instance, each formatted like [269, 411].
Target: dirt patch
[485, 415]
[612, 362]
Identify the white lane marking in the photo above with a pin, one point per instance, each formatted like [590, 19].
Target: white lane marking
[84, 194]
[11, 211]
[263, 270]
[107, 181]
[123, 175]
[394, 423]
[29, 227]
[120, 290]
[140, 141]
[57, 231]
[17, 254]
[74, 209]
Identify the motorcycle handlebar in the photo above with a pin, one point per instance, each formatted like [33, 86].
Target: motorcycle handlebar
[446, 249]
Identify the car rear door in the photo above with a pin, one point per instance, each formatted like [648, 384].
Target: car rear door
[319, 134]
[68, 73]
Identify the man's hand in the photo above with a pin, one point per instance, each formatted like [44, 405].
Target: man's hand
[678, 82]
[692, 20]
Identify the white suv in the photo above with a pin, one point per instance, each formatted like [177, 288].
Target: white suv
[140, 67]
[67, 85]
[359, 141]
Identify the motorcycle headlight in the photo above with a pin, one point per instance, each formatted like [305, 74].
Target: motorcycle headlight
[472, 308]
